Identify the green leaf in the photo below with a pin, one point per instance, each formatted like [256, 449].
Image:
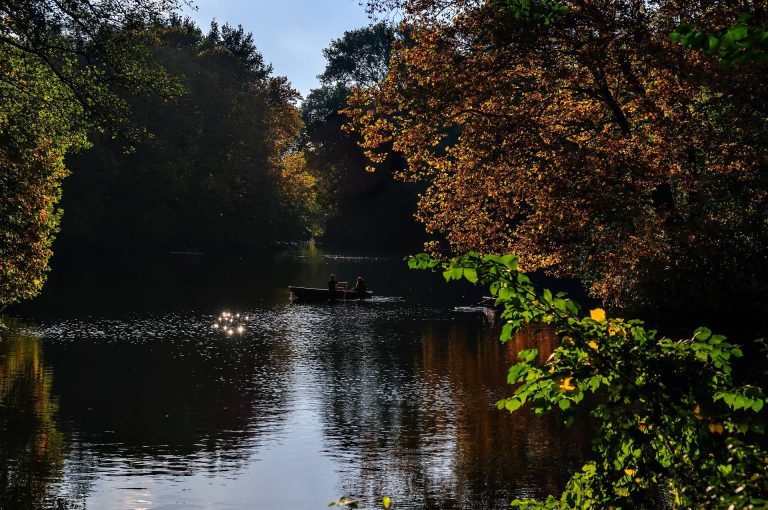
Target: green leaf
[713, 43]
[528, 355]
[716, 339]
[507, 331]
[738, 32]
[516, 372]
[512, 404]
[506, 293]
[453, 273]
[510, 261]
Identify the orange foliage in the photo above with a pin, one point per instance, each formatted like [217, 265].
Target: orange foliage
[593, 146]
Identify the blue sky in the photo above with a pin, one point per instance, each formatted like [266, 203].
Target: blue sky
[291, 34]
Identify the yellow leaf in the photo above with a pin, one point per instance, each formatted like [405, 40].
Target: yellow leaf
[566, 384]
[697, 412]
[592, 344]
[643, 427]
[386, 502]
[598, 314]
[630, 472]
[716, 428]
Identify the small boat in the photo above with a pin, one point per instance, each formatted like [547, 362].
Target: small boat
[191, 252]
[314, 294]
[488, 302]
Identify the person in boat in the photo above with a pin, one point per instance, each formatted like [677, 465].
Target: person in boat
[360, 286]
[332, 286]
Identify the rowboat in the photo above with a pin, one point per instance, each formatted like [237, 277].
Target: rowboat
[314, 294]
[488, 302]
[192, 251]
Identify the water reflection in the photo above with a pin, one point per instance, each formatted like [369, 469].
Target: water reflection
[171, 404]
[167, 409]
[32, 449]
[416, 417]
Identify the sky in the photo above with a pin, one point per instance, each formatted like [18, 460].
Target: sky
[291, 34]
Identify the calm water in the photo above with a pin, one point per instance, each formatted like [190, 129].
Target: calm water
[116, 391]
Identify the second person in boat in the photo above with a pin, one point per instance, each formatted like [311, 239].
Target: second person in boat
[360, 286]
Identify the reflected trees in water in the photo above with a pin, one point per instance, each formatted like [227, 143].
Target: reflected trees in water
[165, 407]
[196, 404]
[32, 448]
[430, 431]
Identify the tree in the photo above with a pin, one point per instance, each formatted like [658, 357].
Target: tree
[360, 58]
[63, 67]
[362, 207]
[95, 49]
[581, 137]
[39, 123]
[221, 170]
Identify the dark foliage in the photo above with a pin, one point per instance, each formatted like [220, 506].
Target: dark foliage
[367, 208]
[210, 177]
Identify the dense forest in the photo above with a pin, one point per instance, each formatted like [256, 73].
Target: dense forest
[235, 162]
[66, 71]
[199, 146]
[218, 168]
[603, 143]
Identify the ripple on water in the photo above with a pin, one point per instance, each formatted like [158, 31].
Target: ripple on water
[312, 401]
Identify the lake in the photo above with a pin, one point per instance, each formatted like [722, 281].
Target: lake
[123, 387]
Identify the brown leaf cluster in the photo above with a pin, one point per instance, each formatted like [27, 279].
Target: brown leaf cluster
[593, 146]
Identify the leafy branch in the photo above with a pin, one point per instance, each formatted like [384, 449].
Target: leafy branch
[673, 428]
[744, 42]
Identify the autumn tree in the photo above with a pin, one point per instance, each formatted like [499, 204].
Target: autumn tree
[582, 137]
[36, 129]
[63, 69]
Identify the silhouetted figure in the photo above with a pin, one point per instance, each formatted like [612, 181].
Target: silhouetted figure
[332, 286]
[360, 285]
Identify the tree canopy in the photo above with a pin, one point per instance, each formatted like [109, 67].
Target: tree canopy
[220, 171]
[96, 50]
[582, 137]
[362, 208]
[64, 68]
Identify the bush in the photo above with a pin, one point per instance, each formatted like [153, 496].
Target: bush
[673, 428]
